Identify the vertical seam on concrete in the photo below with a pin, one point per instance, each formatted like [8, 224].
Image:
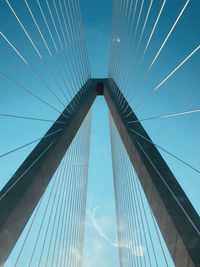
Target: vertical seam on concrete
[175, 248]
[188, 263]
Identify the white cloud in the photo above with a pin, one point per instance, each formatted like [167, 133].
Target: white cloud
[136, 249]
[95, 255]
[76, 254]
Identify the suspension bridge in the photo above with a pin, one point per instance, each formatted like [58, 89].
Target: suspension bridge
[46, 78]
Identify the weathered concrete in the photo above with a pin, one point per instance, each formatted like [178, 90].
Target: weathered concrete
[19, 197]
[180, 235]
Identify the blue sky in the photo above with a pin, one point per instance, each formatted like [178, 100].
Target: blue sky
[97, 250]
[179, 135]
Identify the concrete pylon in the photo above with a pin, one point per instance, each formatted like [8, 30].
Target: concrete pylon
[178, 221]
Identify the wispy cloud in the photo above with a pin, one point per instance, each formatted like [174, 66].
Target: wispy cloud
[96, 254]
[136, 249]
[76, 254]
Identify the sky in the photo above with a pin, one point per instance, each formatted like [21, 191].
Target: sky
[179, 135]
[100, 198]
